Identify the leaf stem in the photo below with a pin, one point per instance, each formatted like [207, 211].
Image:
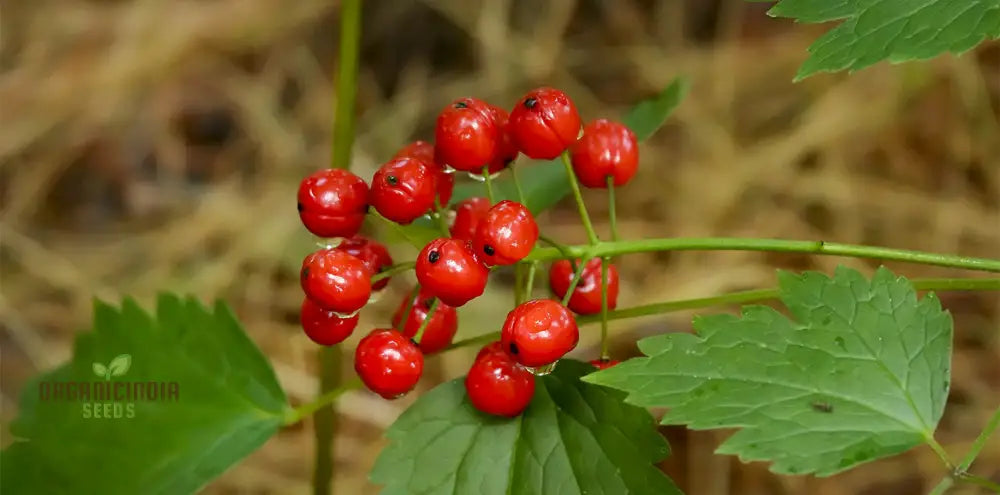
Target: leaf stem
[960, 472]
[980, 442]
[578, 196]
[774, 245]
[489, 183]
[612, 209]
[308, 409]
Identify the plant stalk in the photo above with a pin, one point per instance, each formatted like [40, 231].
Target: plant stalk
[578, 196]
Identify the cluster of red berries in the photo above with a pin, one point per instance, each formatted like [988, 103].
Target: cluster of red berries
[481, 139]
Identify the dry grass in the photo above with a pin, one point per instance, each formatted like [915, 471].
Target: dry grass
[154, 145]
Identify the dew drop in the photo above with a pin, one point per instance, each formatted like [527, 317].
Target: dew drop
[479, 177]
[541, 370]
[328, 242]
[347, 315]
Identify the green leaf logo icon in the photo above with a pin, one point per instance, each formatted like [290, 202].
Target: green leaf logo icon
[100, 370]
[117, 367]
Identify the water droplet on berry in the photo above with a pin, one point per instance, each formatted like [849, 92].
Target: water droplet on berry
[479, 177]
[448, 169]
[376, 295]
[541, 370]
[347, 315]
[328, 242]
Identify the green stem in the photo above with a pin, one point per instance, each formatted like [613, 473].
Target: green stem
[604, 308]
[578, 196]
[577, 275]
[559, 246]
[529, 286]
[343, 142]
[439, 218]
[489, 184]
[980, 442]
[612, 209]
[308, 409]
[980, 481]
[430, 315]
[943, 284]
[394, 269]
[517, 185]
[411, 301]
[775, 245]
[518, 278]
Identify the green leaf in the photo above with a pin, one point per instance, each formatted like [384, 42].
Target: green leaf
[573, 438]
[863, 374]
[894, 30]
[227, 402]
[100, 370]
[544, 182]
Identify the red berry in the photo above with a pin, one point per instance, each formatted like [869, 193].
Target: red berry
[323, 326]
[450, 271]
[388, 363]
[497, 385]
[333, 203]
[507, 151]
[373, 253]
[492, 347]
[422, 150]
[506, 234]
[336, 280]
[404, 189]
[468, 214]
[439, 331]
[603, 364]
[466, 136]
[606, 149]
[539, 332]
[586, 298]
[544, 123]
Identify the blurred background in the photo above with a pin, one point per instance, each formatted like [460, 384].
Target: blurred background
[151, 145]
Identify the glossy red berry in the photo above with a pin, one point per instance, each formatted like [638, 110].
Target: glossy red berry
[388, 363]
[404, 189]
[539, 332]
[544, 123]
[497, 385]
[323, 326]
[466, 136]
[606, 149]
[336, 280]
[506, 234]
[586, 298]
[439, 331]
[333, 203]
[450, 271]
[506, 151]
[603, 364]
[468, 214]
[422, 150]
[492, 347]
[373, 253]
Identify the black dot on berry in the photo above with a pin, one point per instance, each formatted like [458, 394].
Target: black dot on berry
[461, 104]
[300, 207]
[530, 103]
[489, 250]
[433, 256]
[305, 272]
[513, 348]
[392, 180]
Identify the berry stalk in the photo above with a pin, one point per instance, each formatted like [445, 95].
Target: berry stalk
[604, 308]
[412, 299]
[612, 210]
[423, 325]
[529, 286]
[577, 275]
[773, 245]
[489, 184]
[578, 196]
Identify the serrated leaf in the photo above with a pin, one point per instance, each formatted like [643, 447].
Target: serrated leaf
[544, 182]
[863, 374]
[894, 30]
[120, 364]
[227, 403]
[573, 438]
